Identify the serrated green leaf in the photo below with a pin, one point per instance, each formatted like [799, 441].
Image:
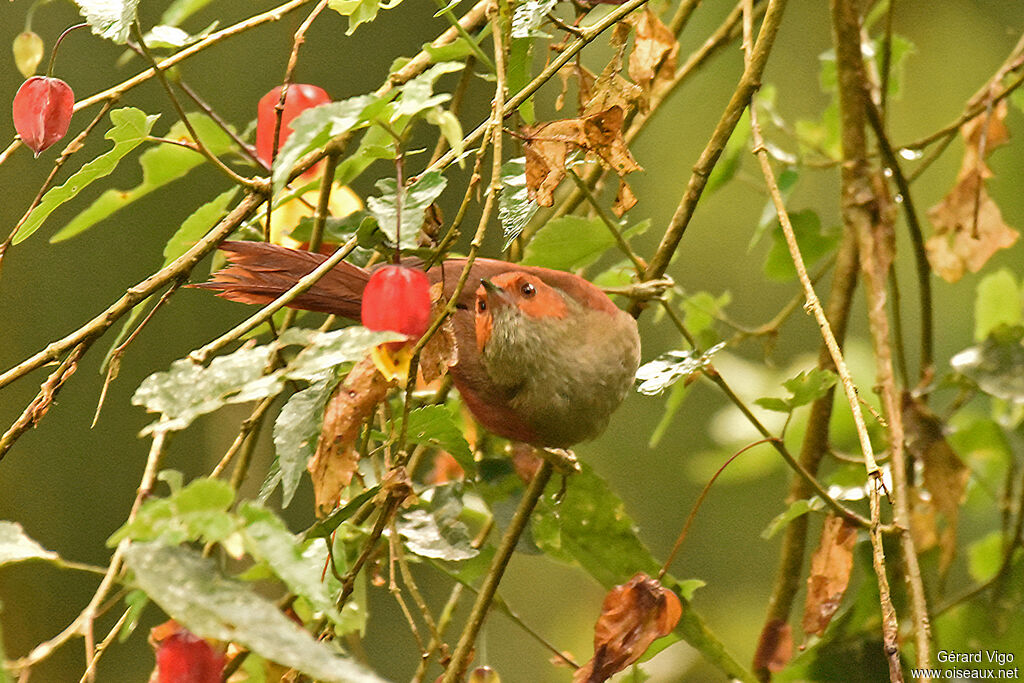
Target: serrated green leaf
[805, 387]
[161, 165]
[515, 208]
[998, 302]
[267, 539]
[372, 146]
[436, 426]
[109, 19]
[198, 512]
[314, 127]
[665, 370]
[360, 11]
[417, 95]
[732, 155]
[131, 126]
[573, 242]
[701, 309]
[814, 244]
[437, 532]
[415, 200]
[16, 546]
[296, 432]
[519, 73]
[527, 18]
[593, 529]
[192, 591]
[796, 509]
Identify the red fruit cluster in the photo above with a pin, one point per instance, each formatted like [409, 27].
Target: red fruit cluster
[397, 299]
[42, 111]
[300, 97]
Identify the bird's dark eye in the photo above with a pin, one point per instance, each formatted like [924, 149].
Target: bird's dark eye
[528, 289]
[481, 305]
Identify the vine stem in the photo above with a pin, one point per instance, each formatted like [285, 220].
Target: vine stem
[461, 657]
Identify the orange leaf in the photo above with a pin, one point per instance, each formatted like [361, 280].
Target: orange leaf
[332, 466]
[969, 226]
[633, 616]
[830, 573]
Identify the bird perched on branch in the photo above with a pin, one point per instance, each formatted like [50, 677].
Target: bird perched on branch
[541, 356]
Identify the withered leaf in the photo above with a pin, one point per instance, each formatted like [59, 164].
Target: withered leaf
[624, 199]
[439, 353]
[548, 144]
[775, 646]
[830, 573]
[633, 616]
[653, 60]
[969, 226]
[945, 475]
[336, 458]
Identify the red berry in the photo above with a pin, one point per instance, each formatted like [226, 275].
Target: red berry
[185, 658]
[42, 111]
[300, 97]
[397, 299]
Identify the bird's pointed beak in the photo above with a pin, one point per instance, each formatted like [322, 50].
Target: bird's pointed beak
[495, 294]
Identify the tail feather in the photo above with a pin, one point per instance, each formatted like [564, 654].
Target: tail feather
[259, 272]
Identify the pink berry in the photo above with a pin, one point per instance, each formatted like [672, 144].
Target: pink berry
[300, 97]
[397, 299]
[42, 111]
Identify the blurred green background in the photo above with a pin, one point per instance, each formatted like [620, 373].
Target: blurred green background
[71, 486]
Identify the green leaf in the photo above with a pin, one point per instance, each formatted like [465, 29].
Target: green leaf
[197, 225]
[188, 390]
[135, 604]
[515, 208]
[161, 165]
[360, 11]
[314, 127]
[997, 365]
[665, 370]
[180, 10]
[268, 540]
[417, 95]
[701, 309]
[527, 18]
[131, 126]
[4, 676]
[590, 525]
[450, 128]
[998, 302]
[813, 243]
[787, 182]
[437, 532]
[296, 432]
[796, 509]
[804, 388]
[198, 512]
[192, 591]
[672, 405]
[520, 72]
[732, 155]
[16, 546]
[415, 200]
[985, 557]
[325, 527]
[109, 19]
[374, 145]
[435, 425]
[457, 49]
[573, 242]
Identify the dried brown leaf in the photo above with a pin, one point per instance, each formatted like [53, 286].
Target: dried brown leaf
[969, 226]
[830, 573]
[775, 646]
[332, 466]
[439, 353]
[633, 616]
[548, 144]
[944, 473]
[655, 51]
[624, 199]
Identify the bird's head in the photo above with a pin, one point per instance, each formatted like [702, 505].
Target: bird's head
[515, 297]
